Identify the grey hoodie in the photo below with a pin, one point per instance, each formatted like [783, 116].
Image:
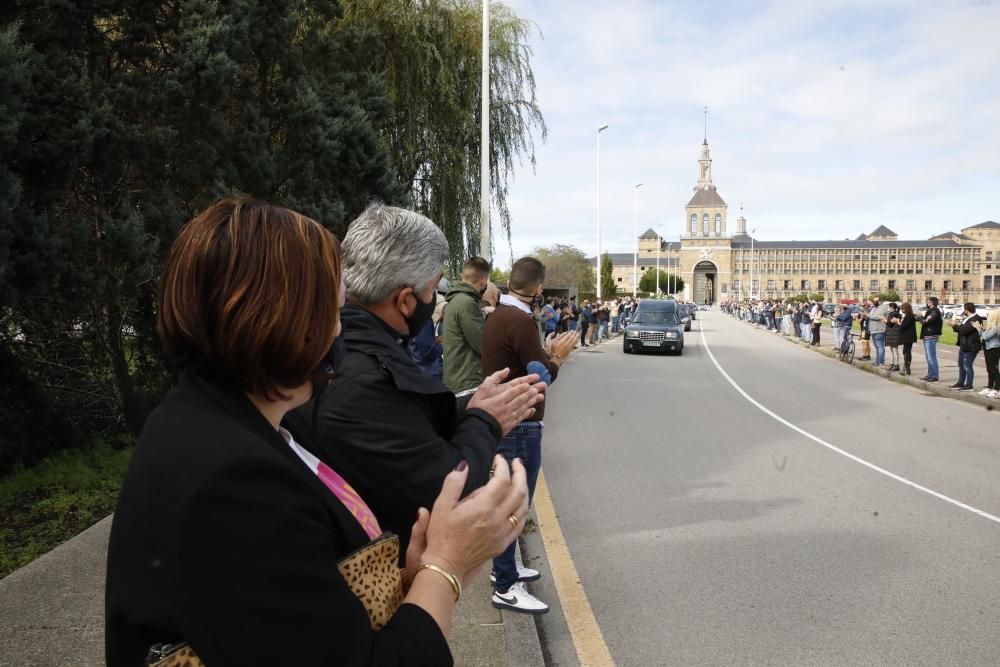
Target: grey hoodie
[876, 318]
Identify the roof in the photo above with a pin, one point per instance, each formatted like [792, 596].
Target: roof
[822, 245]
[948, 235]
[706, 197]
[989, 224]
[862, 237]
[622, 258]
[649, 234]
[883, 231]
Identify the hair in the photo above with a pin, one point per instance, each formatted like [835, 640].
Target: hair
[250, 294]
[969, 307]
[933, 301]
[993, 318]
[387, 248]
[475, 268]
[907, 308]
[526, 275]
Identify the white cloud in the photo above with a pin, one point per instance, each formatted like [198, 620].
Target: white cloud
[827, 119]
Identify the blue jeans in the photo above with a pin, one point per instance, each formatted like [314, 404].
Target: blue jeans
[523, 442]
[571, 325]
[878, 340]
[930, 351]
[615, 323]
[965, 367]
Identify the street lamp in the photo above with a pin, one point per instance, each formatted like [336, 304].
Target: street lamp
[635, 239]
[752, 260]
[485, 233]
[599, 130]
[659, 244]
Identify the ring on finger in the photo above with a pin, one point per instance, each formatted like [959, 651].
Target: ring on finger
[513, 521]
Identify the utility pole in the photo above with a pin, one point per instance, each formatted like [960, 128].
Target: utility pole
[485, 233]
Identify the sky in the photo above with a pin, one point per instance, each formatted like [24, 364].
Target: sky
[826, 119]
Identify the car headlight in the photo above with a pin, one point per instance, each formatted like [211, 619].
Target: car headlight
[671, 334]
[631, 333]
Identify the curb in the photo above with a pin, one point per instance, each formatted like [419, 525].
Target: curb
[520, 633]
[930, 387]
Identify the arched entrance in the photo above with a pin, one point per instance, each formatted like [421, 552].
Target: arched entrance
[705, 283]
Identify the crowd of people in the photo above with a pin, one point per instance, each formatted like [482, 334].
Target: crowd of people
[340, 456]
[886, 327]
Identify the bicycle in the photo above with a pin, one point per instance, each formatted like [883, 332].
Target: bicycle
[847, 351]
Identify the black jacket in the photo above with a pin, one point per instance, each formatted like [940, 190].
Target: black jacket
[225, 539]
[968, 336]
[907, 330]
[932, 323]
[392, 432]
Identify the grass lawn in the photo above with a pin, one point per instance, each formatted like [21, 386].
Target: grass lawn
[948, 335]
[45, 505]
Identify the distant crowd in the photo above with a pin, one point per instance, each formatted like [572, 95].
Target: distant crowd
[886, 327]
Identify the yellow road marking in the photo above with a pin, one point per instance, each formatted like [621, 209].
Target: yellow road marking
[587, 636]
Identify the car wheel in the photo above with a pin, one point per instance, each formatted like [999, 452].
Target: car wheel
[687, 327]
[680, 351]
[626, 350]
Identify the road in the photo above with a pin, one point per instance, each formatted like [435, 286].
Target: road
[707, 532]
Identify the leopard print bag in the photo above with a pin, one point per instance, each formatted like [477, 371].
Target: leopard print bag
[373, 575]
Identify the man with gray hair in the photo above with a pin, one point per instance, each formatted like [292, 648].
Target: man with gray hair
[391, 431]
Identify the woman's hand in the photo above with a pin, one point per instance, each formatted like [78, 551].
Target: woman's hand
[509, 403]
[464, 534]
[415, 550]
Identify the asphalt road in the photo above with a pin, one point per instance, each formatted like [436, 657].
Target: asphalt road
[704, 531]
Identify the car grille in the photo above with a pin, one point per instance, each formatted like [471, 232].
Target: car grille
[652, 336]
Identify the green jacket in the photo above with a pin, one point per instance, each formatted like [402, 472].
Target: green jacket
[463, 335]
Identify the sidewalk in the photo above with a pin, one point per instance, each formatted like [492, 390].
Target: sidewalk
[947, 367]
[52, 613]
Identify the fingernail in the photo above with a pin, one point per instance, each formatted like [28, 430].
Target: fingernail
[518, 459]
[461, 466]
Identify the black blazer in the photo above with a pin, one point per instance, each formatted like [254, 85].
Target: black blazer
[393, 432]
[225, 539]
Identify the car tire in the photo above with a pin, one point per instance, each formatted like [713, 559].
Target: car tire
[680, 352]
[626, 350]
[687, 327]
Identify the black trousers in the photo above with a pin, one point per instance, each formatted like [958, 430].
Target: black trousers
[907, 353]
[584, 326]
[992, 360]
[815, 332]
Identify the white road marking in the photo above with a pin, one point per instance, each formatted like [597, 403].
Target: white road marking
[882, 471]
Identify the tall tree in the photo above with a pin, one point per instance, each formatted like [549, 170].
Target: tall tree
[565, 265]
[128, 119]
[431, 58]
[608, 286]
[668, 282]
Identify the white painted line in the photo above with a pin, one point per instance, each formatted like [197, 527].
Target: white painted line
[882, 471]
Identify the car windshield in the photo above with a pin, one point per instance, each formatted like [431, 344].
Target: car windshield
[655, 317]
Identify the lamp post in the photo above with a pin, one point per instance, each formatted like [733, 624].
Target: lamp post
[485, 233]
[752, 260]
[635, 239]
[599, 130]
[659, 245]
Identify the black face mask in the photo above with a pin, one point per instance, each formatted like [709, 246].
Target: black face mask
[421, 314]
[329, 367]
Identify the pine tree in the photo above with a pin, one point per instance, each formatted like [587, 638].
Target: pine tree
[608, 286]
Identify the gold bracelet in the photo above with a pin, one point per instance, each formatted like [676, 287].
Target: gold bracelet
[456, 585]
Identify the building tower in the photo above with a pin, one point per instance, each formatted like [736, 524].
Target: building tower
[705, 214]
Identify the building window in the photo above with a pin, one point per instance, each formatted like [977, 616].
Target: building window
[987, 283]
[704, 224]
[911, 285]
[874, 285]
[619, 280]
[724, 290]
[929, 285]
[737, 284]
[892, 284]
[822, 284]
[754, 286]
[838, 285]
[966, 285]
[804, 285]
[718, 224]
[694, 224]
[857, 286]
[947, 285]
[788, 284]
[770, 284]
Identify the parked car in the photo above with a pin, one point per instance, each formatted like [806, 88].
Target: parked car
[656, 327]
[828, 309]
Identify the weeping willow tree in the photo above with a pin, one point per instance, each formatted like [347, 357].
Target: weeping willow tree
[430, 61]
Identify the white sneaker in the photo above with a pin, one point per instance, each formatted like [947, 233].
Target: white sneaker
[993, 394]
[523, 574]
[986, 392]
[519, 600]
